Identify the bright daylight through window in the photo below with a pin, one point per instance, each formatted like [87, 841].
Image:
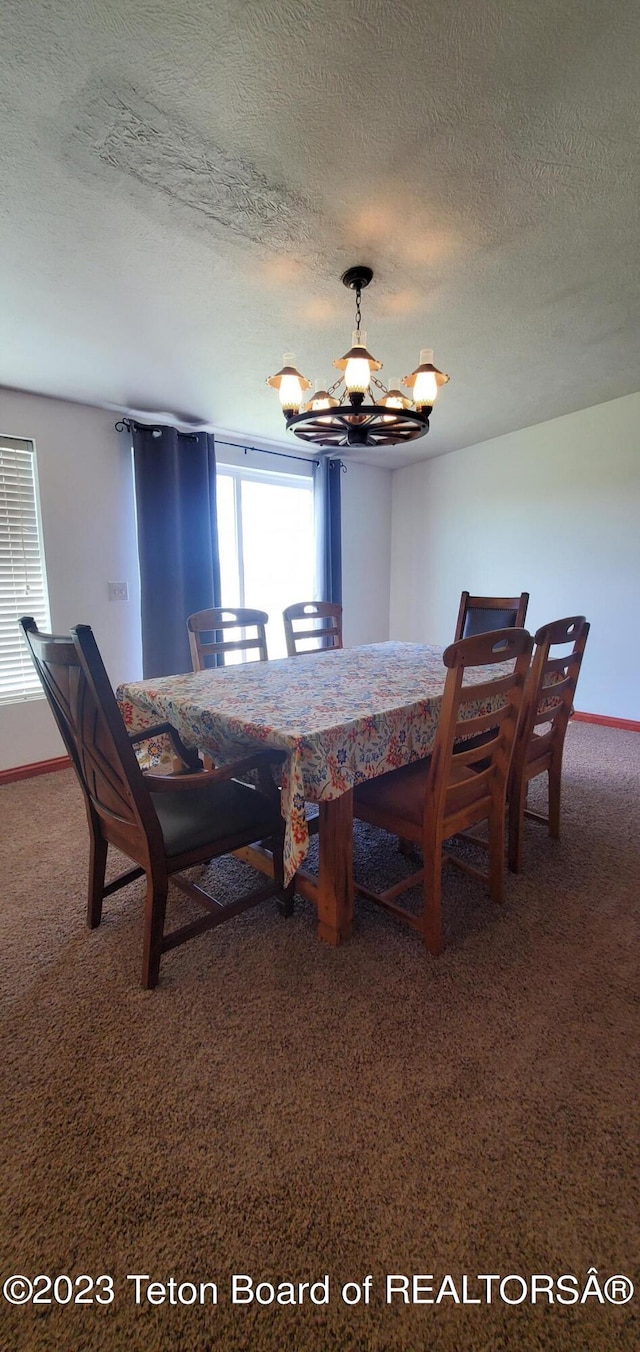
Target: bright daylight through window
[23, 588]
[266, 538]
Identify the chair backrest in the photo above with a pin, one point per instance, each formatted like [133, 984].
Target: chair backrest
[84, 706]
[483, 614]
[551, 685]
[207, 629]
[312, 620]
[469, 736]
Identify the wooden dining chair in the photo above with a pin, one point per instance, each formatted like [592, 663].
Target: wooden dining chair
[321, 623]
[312, 620]
[546, 709]
[163, 823]
[459, 785]
[207, 628]
[482, 614]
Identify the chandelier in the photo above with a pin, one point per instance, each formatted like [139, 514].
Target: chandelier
[339, 415]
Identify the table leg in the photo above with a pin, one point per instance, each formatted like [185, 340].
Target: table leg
[335, 881]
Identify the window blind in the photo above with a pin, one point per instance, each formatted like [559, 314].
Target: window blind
[23, 588]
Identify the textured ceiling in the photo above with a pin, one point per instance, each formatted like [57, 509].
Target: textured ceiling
[183, 184]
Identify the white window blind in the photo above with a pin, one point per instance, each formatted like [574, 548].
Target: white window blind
[23, 588]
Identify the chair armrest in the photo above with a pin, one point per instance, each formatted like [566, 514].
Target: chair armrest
[259, 761]
[189, 757]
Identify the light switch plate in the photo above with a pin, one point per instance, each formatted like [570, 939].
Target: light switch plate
[118, 591]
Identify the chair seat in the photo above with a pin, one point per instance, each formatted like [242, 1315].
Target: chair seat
[401, 793]
[192, 819]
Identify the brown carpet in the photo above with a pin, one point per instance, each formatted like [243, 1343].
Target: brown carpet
[286, 1110]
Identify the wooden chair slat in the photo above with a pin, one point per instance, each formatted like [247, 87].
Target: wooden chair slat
[218, 619]
[557, 663]
[470, 727]
[485, 690]
[327, 630]
[228, 646]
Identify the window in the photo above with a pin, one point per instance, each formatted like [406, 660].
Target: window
[23, 589]
[266, 540]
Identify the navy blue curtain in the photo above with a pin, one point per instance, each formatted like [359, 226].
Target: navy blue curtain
[175, 479]
[328, 525]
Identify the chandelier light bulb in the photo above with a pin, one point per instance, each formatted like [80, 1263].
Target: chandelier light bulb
[425, 381]
[290, 385]
[321, 399]
[357, 372]
[425, 390]
[394, 398]
[290, 394]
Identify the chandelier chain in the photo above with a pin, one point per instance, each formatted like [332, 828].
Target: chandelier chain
[358, 313]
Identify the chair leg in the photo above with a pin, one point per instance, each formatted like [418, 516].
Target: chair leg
[555, 781]
[496, 851]
[286, 899]
[517, 801]
[154, 915]
[285, 902]
[97, 867]
[432, 915]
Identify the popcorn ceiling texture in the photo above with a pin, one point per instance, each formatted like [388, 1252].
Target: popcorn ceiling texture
[123, 132]
[182, 187]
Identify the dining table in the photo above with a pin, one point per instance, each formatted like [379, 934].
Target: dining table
[342, 716]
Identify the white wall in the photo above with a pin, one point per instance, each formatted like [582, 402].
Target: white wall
[87, 504]
[366, 553]
[553, 510]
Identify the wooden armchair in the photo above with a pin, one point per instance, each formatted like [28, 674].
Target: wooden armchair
[320, 620]
[164, 823]
[206, 630]
[460, 784]
[483, 614]
[547, 707]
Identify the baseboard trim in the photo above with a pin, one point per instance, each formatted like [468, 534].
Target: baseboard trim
[44, 767]
[628, 724]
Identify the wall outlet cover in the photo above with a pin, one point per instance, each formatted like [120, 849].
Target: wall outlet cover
[118, 591]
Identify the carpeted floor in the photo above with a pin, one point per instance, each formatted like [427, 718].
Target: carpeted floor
[280, 1109]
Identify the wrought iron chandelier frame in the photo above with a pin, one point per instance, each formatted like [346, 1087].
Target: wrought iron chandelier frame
[348, 421]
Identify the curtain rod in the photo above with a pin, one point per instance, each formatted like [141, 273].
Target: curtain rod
[262, 450]
[129, 424]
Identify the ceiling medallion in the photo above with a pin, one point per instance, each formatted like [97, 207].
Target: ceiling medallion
[339, 416]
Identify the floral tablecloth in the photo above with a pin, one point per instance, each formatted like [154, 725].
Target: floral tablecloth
[342, 717]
